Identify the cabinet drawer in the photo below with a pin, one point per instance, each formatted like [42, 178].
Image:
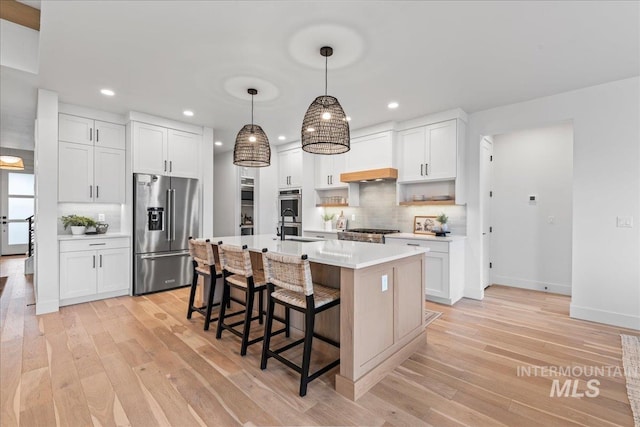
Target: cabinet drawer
[432, 245]
[93, 244]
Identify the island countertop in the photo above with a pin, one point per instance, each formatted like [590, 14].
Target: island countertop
[339, 253]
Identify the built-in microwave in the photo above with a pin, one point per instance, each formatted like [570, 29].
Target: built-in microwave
[290, 199]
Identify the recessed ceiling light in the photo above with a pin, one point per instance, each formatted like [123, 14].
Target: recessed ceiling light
[218, 143]
[392, 105]
[188, 113]
[107, 92]
[282, 137]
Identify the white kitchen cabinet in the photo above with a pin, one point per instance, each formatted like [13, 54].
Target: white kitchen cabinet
[290, 168]
[87, 131]
[161, 151]
[92, 269]
[328, 170]
[444, 266]
[428, 153]
[90, 174]
[373, 151]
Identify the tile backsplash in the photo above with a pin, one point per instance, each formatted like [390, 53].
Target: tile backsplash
[112, 214]
[378, 209]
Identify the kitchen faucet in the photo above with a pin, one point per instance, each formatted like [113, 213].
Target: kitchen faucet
[293, 214]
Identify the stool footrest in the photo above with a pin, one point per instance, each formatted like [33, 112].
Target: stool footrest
[287, 347]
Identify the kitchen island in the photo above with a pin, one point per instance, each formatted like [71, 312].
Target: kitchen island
[380, 319]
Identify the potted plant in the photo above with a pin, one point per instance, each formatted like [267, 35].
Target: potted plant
[327, 220]
[442, 219]
[77, 223]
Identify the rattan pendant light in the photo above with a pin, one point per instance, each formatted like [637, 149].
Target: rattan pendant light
[325, 129]
[252, 145]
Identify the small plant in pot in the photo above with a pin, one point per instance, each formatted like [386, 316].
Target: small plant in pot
[442, 219]
[77, 223]
[327, 218]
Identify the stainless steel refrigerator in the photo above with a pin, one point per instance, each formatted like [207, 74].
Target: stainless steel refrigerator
[165, 215]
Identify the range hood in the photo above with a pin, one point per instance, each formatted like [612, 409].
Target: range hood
[370, 175]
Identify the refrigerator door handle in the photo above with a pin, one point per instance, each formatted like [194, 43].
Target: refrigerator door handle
[173, 214]
[164, 255]
[169, 215]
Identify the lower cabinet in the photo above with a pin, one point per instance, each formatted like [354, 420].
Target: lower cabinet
[444, 267]
[92, 269]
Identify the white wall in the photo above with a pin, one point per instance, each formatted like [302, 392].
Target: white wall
[606, 183]
[531, 241]
[267, 197]
[46, 220]
[207, 185]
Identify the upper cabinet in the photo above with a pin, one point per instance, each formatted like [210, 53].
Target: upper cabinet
[162, 151]
[91, 156]
[81, 130]
[373, 151]
[328, 170]
[428, 153]
[290, 168]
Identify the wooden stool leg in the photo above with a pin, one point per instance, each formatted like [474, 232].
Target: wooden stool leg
[248, 313]
[212, 292]
[223, 308]
[267, 331]
[306, 356]
[192, 294]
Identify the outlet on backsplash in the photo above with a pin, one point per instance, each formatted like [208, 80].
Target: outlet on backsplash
[101, 217]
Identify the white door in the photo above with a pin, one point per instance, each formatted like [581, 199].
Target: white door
[109, 135]
[149, 149]
[75, 172]
[77, 274]
[437, 274]
[78, 130]
[442, 156]
[109, 175]
[412, 158]
[183, 154]
[486, 153]
[16, 206]
[113, 269]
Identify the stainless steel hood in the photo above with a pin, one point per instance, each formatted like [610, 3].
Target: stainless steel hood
[370, 175]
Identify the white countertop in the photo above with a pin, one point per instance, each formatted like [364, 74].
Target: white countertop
[340, 253]
[449, 238]
[92, 236]
[317, 230]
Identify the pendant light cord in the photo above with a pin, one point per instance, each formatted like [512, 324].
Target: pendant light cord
[326, 61]
[251, 112]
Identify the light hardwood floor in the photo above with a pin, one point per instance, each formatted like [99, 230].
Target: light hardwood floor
[139, 361]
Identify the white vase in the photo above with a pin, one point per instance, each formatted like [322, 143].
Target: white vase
[327, 225]
[445, 227]
[77, 230]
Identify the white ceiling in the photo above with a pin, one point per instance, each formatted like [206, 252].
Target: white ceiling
[161, 57]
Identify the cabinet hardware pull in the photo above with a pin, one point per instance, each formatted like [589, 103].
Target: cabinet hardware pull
[94, 261]
[421, 169]
[165, 165]
[97, 191]
[97, 135]
[413, 244]
[331, 179]
[320, 237]
[97, 244]
[426, 169]
[91, 191]
[90, 134]
[327, 179]
[163, 256]
[170, 165]
[100, 261]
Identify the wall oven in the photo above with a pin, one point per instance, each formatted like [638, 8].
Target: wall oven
[291, 199]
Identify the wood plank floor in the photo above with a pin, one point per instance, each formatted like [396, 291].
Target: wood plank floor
[140, 362]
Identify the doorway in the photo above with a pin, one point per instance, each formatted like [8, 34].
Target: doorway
[486, 159]
[16, 206]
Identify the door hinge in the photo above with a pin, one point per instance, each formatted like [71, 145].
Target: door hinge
[490, 193]
[490, 265]
[490, 229]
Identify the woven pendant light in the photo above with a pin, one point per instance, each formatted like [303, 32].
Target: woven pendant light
[325, 129]
[252, 145]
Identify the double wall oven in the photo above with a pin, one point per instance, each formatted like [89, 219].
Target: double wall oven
[290, 211]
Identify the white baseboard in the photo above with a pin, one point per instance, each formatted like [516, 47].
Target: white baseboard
[93, 297]
[603, 316]
[555, 288]
[44, 307]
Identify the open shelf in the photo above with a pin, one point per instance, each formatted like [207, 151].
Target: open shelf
[428, 202]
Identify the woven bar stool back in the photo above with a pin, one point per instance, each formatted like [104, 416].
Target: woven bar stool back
[235, 259]
[206, 265]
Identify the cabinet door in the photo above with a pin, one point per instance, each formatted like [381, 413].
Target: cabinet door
[109, 135]
[149, 149]
[183, 154]
[283, 169]
[75, 129]
[113, 269]
[338, 166]
[75, 173]
[442, 155]
[324, 169]
[77, 274]
[371, 152]
[437, 275]
[109, 167]
[412, 154]
[295, 168]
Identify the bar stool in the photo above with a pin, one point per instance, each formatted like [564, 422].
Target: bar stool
[238, 273]
[205, 265]
[291, 275]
